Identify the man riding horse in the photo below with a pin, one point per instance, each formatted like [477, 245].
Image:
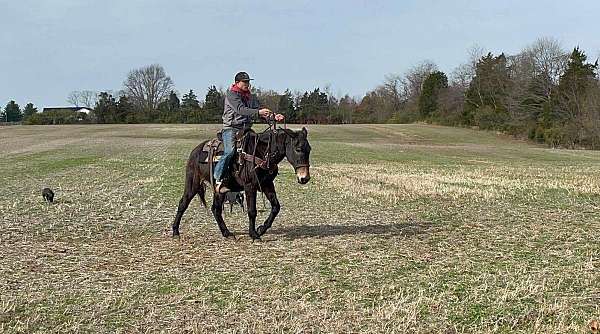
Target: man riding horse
[256, 167]
[240, 108]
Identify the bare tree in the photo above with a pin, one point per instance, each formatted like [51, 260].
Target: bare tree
[384, 100]
[346, 107]
[546, 59]
[392, 89]
[464, 73]
[88, 98]
[374, 107]
[414, 77]
[85, 98]
[450, 105]
[268, 98]
[74, 98]
[397, 94]
[534, 72]
[148, 86]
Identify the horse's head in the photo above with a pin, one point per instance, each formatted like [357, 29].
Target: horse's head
[297, 152]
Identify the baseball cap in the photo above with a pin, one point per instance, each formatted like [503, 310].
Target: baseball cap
[242, 76]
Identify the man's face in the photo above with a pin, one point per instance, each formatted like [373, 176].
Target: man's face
[243, 85]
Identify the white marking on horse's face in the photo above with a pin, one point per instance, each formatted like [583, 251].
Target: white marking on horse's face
[303, 175]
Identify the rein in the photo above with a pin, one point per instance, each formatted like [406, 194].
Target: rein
[257, 162]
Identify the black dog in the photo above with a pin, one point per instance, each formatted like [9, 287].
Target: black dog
[233, 198]
[48, 195]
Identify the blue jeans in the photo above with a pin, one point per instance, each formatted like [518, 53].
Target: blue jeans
[228, 151]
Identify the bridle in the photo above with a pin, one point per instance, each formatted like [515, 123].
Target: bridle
[265, 163]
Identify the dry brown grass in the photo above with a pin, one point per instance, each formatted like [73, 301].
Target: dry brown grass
[434, 236]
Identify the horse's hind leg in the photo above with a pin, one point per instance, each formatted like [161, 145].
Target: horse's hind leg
[188, 194]
[183, 204]
[217, 210]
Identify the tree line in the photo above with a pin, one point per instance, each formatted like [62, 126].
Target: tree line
[543, 93]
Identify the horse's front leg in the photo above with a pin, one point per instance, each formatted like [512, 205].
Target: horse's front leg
[217, 210]
[251, 205]
[269, 191]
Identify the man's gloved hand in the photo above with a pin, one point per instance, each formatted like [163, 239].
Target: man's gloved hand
[267, 113]
[264, 113]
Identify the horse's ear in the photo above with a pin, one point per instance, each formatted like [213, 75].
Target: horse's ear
[304, 130]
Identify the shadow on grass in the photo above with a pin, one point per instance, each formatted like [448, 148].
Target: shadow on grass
[410, 228]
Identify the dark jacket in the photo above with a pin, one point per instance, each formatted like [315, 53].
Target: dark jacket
[237, 113]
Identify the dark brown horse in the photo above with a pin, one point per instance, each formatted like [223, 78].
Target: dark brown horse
[253, 170]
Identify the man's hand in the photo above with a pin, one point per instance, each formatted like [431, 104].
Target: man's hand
[265, 113]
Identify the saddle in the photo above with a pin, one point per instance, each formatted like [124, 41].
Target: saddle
[213, 149]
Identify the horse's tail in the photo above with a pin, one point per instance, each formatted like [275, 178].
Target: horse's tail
[201, 193]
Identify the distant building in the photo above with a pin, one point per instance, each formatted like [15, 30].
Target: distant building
[77, 109]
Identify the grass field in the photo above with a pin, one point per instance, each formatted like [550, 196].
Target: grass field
[403, 228]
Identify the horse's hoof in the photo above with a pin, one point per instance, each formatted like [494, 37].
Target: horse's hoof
[175, 235]
[228, 235]
[261, 230]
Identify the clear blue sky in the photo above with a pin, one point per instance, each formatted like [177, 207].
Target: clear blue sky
[49, 48]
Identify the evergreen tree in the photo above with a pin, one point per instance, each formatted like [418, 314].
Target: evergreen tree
[170, 108]
[106, 109]
[565, 123]
[574, 85]
[174, 102]
[125, 110]
[428, 100]
[190, 100]
[213, 105]
[29, 111]
[190, 110]
[286, 106]
[13, 112]
[485, 100]
[313, 107]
